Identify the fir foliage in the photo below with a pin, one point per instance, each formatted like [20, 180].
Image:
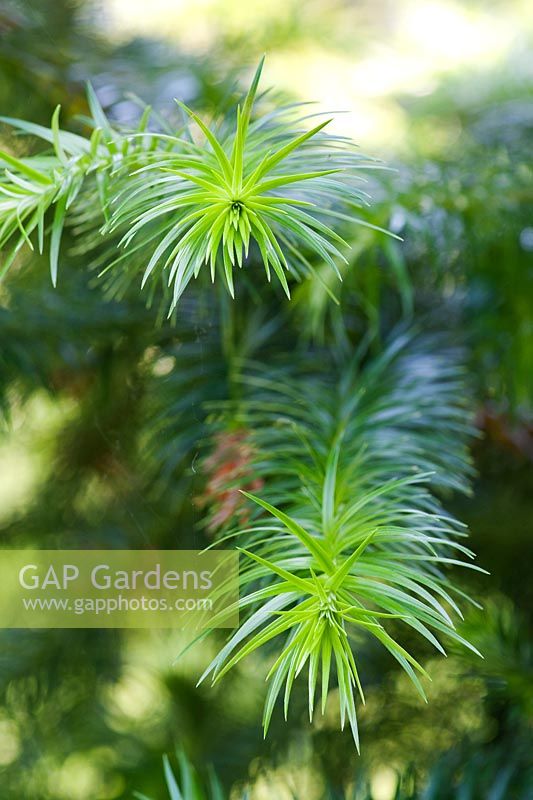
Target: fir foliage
[270, 182]
[349, 533]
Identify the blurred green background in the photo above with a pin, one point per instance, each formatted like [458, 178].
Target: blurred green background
[443, 92]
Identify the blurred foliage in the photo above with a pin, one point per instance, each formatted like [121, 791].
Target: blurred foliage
[467, 257]
[475, 765]
[106, 417]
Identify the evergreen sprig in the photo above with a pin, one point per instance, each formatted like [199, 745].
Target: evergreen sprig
[254, 182]
[348, 533]
[34, 185]
[175, 204]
